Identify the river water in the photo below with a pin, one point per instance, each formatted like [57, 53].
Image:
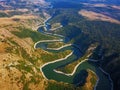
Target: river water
[79, 75]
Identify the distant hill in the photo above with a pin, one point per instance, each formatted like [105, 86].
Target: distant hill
[92, 1]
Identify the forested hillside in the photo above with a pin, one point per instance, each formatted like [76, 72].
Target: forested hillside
[84, 32]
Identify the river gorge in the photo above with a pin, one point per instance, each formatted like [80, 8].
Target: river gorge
[79, 74]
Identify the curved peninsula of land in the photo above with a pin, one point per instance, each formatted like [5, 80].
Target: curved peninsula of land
[49, 70]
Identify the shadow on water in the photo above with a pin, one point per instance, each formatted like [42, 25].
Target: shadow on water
[80, 78]
[104, 82]
[41, 29]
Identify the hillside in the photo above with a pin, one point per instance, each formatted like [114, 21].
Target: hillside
[20, 62]
[116, 2]
[92, 25]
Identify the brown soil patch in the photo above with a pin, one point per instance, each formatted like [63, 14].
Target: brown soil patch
[89, 85]
[27, 43]
[116, 7]
[95, 5]
[97, 16]
[3, 46]
[10, 75]
[39, 86]
[9, 79]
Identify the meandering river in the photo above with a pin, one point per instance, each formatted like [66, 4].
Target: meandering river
[78, 76]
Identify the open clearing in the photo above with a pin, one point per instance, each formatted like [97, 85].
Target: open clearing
[97, 16]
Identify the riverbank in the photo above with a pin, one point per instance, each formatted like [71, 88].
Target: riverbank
[61, 76]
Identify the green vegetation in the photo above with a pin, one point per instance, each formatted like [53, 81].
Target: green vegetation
[11, 13]
[52, 85]
[70, 67]
[54, 56]
[84, 32]
[93, 81]
[34, 35]
[25, 65]
[2, 14]
[90, 81]
[56, 86]
[55, 45]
